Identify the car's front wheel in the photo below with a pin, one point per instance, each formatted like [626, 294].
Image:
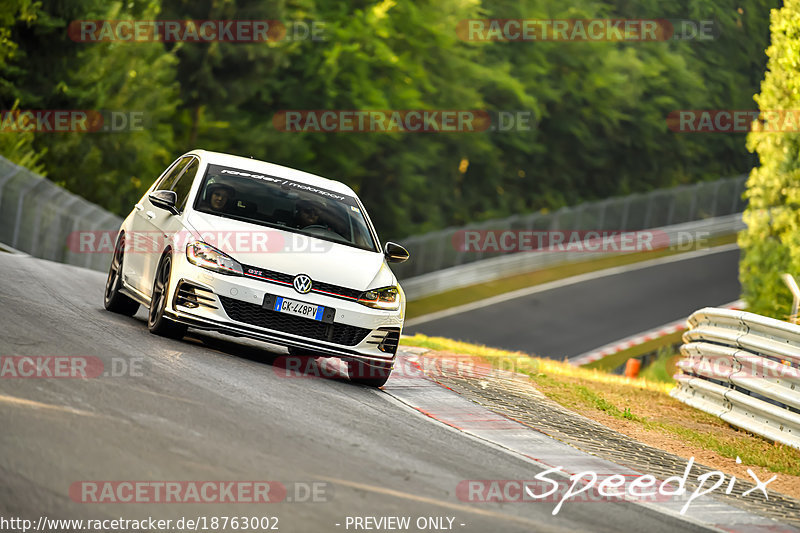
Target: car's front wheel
[113, 299]
[157, 323]
[371, 376]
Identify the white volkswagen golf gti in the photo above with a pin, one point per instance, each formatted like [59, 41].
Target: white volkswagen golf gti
[253, 249]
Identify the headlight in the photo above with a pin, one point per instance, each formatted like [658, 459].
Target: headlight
[206, 256]
[387, 298]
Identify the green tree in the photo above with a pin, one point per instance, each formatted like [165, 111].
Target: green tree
[114, 168]
[16, 146]
[771, 243]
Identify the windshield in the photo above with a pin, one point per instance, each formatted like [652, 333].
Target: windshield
[285, 204]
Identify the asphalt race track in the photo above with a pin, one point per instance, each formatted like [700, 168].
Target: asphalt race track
[573, 319]
[213, 408]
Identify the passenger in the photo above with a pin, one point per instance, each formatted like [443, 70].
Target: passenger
[220, 196]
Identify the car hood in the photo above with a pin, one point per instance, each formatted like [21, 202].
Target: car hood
[292, 253]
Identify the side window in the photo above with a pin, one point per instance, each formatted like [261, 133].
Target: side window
[166, 183]
[184, 183]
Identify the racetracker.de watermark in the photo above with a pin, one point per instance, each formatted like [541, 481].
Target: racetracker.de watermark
[618, 487]
[195, 31]
[734, 121]
[69, 367]
[230, 242]
[71, 121]
[591, 241]
[200, 491]
[740, 367]
[148, 523]
[310, 367]
[583, 241]
[586, 30]
[403, 120]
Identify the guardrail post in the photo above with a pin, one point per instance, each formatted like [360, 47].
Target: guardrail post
[18, 223]
[717, 185]
[6, 177]
[792, 284]
[623, 225]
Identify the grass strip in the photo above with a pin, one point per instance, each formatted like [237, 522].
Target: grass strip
[643, 402]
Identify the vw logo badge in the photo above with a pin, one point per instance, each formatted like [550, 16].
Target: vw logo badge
[302, 283]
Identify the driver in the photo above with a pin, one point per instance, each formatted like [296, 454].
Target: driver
[219, 196]
[307, 214]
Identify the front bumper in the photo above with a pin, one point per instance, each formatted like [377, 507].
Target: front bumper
[233, 306]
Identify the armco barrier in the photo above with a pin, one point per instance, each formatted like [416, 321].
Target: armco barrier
[522, 262]
[745, 369]
[37, 217]
[432, 252]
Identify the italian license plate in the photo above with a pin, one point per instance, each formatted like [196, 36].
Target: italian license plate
[297, 308]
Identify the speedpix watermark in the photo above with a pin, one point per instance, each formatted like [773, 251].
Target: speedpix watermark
[585, 30]
[68, 367]
[195, 31]
[612, 488]
[403, 120]
[608, 487]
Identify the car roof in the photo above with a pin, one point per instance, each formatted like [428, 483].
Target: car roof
[271, 169]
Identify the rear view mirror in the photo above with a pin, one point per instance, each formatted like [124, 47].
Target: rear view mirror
[395, 253]
[165, 200]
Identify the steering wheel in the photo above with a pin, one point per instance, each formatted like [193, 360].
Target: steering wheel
[316, 226]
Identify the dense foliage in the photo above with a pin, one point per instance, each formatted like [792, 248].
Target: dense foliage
[599, 108]
[771, 244]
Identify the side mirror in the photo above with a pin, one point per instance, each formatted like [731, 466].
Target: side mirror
[395, 253]
[165, 200]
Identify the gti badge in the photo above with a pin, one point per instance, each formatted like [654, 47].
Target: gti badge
[302, 283]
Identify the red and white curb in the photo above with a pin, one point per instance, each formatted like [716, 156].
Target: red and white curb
[436, 402]
[641, 338]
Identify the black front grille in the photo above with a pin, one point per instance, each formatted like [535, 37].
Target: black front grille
[265, 318]
[328, 287]
[272, 276]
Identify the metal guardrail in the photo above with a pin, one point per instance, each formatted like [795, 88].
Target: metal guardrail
[39, 218]
[522, 262]
[435, 251]
[745, 369]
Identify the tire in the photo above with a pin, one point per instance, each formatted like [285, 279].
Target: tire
[371, 376]
[113, 300]
[157, 323]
